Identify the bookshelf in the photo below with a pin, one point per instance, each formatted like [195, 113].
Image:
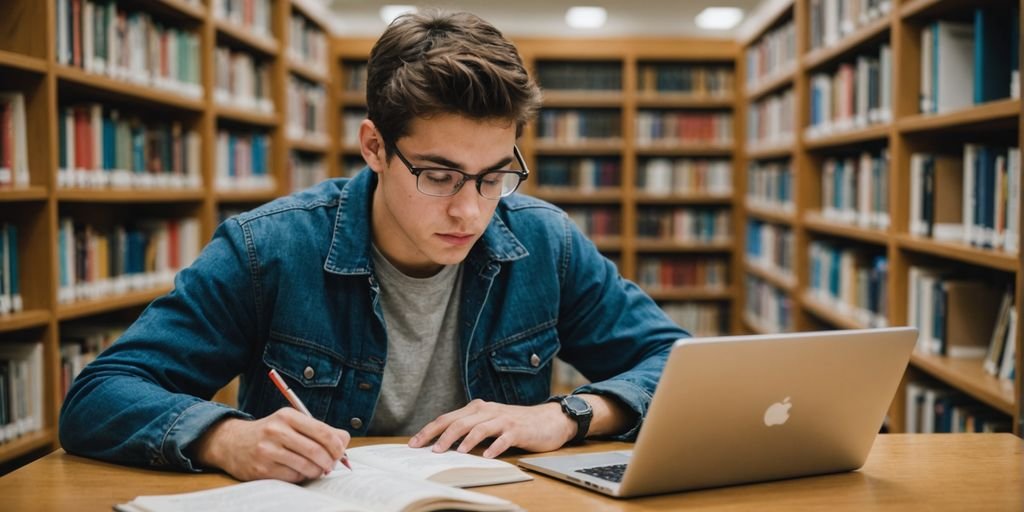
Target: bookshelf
[853, 190]
[234, 60]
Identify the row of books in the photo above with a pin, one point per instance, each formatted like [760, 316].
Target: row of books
[850, 279]
[771, 55]
[984, 49]
[685, 78]
[80, 344]
[583, 174]
[597, 222]
[103, 38]
[767, 307]
[21, 389]
[700, 319]
[770, 247]
[855, 189]
[685, 225]
[770, 185]
[973, 198]
[572, 126]
[307, 110]
[856, 95]
[354, 77]
[351, 118]
[771, 120]
[307, 43]
[10, 276]
[663, 176]
[13, 140]
[668, 273]
[584, 76]
[834, 20]
[101, 146]
[305, 170]
[96, 262]
[242, 81]
[253, 15]
[963, 317]
[671, 128]
[935, 408]
[243, 160]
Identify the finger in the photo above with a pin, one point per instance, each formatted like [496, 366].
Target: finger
[331, 440]
[457, 430]
[498, 447]
[432, 430]
[290, 438]
[286, 474]
[479, 433]
[278, 456]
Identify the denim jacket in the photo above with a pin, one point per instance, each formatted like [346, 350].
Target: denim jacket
[290, 285]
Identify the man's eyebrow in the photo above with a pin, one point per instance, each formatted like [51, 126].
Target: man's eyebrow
[444, 162]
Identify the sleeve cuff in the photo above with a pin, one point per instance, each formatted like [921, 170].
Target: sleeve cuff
[632, 396]
[189, 426]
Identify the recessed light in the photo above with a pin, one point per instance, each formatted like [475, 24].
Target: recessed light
[719, 18]
[388, 13]
[586, 17]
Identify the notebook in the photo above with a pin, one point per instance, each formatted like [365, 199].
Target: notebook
[739, 409]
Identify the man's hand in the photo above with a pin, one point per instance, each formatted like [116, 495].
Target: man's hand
[538, 428]
[286, 445]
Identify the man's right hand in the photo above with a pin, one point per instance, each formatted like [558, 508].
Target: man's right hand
[286, 445]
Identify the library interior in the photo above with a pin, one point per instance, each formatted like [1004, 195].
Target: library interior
[754, 166]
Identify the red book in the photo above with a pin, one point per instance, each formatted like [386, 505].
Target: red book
[76, 33]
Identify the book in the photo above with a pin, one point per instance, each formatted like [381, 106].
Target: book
[385, 477]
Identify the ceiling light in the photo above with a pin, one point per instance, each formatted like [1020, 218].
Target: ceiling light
[586, 17]
[719, 18]
[388, 13]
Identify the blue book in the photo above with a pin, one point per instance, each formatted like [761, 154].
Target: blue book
[993, 51]
[12, 276]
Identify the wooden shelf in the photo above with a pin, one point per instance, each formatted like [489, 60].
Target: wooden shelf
[27, 443]
[777, 80]
[683, 199]
[848, 138]
[129, 195]
[352, 99]
[666, 100]
[571, 196]
[776, 215]
[241, 35]
[182, 8]
[928, 9]
[999, 260]
[306, 71]
[668, 246]
[607, 243]
[870, 33]
[310, 146]
[968, 376]
[241, 115]
[816, 222]
[772, 276]
[771, 151]
[82, 308]
[22, 62]
[595, 147]
[246, 196]
[582, 99]
[24, 320]
[23, 194]
[140, 93]
[689, 293]
[998, 113]
[829, 312]
[690, 149]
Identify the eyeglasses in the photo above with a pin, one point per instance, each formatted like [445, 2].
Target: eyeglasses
[445, 182]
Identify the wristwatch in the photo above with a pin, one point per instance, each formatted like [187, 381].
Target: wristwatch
[578, 410]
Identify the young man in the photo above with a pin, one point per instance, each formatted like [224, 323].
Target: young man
[419, 298]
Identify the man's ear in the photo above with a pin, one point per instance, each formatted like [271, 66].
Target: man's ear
[371, 145]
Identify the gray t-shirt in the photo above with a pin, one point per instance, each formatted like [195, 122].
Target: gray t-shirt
[421, 376]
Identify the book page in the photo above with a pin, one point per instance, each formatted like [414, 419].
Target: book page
[255, 496]
[424, 463]
[380, 490]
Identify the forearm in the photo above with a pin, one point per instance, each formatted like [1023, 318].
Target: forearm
[611, 417]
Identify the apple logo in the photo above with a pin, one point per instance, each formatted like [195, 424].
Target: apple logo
[777, 413]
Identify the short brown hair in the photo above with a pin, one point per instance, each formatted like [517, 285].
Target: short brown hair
[433, 63]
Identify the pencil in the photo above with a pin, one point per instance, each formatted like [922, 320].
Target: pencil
[296, 403]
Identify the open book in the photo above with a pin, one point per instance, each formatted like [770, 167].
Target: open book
[389, 477]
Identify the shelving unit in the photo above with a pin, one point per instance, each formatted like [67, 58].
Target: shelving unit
[908, 132]
[29, 64]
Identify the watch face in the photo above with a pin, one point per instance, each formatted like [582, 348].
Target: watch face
[576, 405]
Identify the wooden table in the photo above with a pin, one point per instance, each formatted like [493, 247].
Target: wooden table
[904, 472]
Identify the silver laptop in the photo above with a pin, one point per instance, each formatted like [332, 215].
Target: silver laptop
[739, 409]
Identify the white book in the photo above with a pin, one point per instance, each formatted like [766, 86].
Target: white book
[970, 231]
[953, 59]
[927, 102]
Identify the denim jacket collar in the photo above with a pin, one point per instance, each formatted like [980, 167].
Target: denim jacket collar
[349, 253]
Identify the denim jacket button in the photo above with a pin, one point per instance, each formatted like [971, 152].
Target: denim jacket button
[356, 423]
[534, 360]
[364, 386]
[308, 372]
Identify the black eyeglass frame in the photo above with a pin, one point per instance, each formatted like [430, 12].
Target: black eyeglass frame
[478, 178]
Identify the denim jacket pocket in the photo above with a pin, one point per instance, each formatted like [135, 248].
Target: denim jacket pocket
[523, 367]
[311, 370]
